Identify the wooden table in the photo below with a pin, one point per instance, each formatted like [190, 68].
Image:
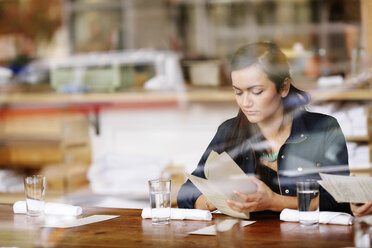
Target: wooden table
[130, 230]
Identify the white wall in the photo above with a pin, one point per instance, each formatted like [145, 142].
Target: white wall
[178, 134]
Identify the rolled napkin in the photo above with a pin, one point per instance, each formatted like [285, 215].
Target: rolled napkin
[325, 217]
[50, 208]
[182, 214]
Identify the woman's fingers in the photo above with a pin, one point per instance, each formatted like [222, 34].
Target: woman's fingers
[241, 207]
[254, 198]
[244, 197]
[262, 199]
[210, 206]
[255, 180]
[365, 208]
[362, 210]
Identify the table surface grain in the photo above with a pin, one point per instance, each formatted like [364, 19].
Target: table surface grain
[130, 230]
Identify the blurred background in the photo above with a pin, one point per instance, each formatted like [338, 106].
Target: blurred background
[102, 95]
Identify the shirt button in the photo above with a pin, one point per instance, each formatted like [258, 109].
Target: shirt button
[283, 157]
[299, 168]
[318, 164]
[246, 158]
[286, 191]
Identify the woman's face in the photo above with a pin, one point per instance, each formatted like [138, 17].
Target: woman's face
[256, 95]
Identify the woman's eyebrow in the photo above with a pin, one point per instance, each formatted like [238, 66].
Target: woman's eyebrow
[236, 87]
[249, 88]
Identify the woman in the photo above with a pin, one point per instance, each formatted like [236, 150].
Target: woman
[271, 134]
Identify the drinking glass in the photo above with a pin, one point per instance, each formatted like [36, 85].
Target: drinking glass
[160, 201]
[308, 202]
[35, 194]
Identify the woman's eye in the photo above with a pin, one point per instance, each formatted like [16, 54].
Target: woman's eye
[257, 92]
[238, 93]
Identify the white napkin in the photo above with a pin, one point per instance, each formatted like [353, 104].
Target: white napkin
[182, 214]
[50, 208]
[325, 217]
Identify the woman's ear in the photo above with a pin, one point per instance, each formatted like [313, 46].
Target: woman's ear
[284, 89]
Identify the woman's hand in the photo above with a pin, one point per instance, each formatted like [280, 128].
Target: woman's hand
[203, 203]
[360, 210]
[263, 199]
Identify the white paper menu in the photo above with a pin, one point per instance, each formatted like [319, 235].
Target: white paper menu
[223, 177]
[347, 188]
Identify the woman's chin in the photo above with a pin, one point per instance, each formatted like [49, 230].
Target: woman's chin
[253, 119]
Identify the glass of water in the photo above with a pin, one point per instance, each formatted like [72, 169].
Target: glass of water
[35, 194]
[308, 202]
[160, 201]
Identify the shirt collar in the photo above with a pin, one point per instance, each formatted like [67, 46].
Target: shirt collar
[299, 131]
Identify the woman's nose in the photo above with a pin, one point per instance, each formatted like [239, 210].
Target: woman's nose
[247, 101]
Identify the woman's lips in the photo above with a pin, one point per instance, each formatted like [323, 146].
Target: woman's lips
[250, 112]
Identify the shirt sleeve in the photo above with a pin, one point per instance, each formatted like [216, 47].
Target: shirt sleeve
[189, 193]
